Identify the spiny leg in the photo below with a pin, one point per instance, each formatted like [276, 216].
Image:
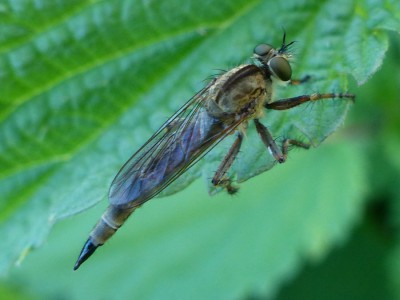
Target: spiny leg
[300, 81]
[288, 103]
[219, 178]
[279, 154]
[290, 142]
[173, 124]
[269, 142]
[295, 101]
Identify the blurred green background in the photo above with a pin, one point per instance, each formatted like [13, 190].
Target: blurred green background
[84, 83]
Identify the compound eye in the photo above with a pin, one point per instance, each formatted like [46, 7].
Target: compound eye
[262, 49]
[281, 68]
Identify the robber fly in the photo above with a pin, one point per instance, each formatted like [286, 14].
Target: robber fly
[222, 108]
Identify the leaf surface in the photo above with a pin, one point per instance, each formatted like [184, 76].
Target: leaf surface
[85, 83]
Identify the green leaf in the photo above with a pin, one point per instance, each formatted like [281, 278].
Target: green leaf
[192, 246]
[85, 83]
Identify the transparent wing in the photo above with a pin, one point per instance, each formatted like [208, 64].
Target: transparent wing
[176, 146]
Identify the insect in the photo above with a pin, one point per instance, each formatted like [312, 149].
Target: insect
[222, 108]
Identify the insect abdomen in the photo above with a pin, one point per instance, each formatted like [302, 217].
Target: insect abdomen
[110, 221]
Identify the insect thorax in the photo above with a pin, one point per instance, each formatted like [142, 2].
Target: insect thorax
[240, 92]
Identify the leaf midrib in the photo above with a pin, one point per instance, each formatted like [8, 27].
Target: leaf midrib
[97, 63]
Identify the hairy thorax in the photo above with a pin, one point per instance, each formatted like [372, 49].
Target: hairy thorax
[239, 93]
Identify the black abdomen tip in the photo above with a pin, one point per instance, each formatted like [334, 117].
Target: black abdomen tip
[87, 250]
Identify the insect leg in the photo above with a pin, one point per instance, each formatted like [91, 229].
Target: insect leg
[174, 124]
[289, 142]
[219, 178]
[269, 142]
[295, 101]
[300, 81]
[279, 154]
